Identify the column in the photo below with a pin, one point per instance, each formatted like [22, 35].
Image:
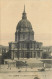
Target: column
[36, 55]
[40, 54]
[20, 55]
[12, 55]
[32, 54]
[15, 54]
[29, 54]
[23, 54]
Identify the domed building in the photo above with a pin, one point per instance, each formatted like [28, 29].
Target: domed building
[25, 46]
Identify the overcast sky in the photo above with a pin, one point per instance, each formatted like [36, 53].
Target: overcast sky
[39, 13]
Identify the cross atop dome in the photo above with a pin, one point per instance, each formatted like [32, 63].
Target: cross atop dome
[24, 8]
[24, 14]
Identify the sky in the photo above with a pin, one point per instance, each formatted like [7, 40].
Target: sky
[39, 13]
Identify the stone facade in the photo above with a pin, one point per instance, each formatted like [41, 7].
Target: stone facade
[25, 46]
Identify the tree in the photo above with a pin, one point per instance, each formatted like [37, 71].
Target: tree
[45, 55]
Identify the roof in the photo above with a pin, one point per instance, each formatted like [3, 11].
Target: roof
[24, 22]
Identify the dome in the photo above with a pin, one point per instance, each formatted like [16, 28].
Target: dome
[24, 30]
[24, 23]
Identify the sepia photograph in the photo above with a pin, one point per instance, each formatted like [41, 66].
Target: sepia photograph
[25, 39]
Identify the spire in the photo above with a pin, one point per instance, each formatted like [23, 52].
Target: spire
[24, 14]
[24, 8]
